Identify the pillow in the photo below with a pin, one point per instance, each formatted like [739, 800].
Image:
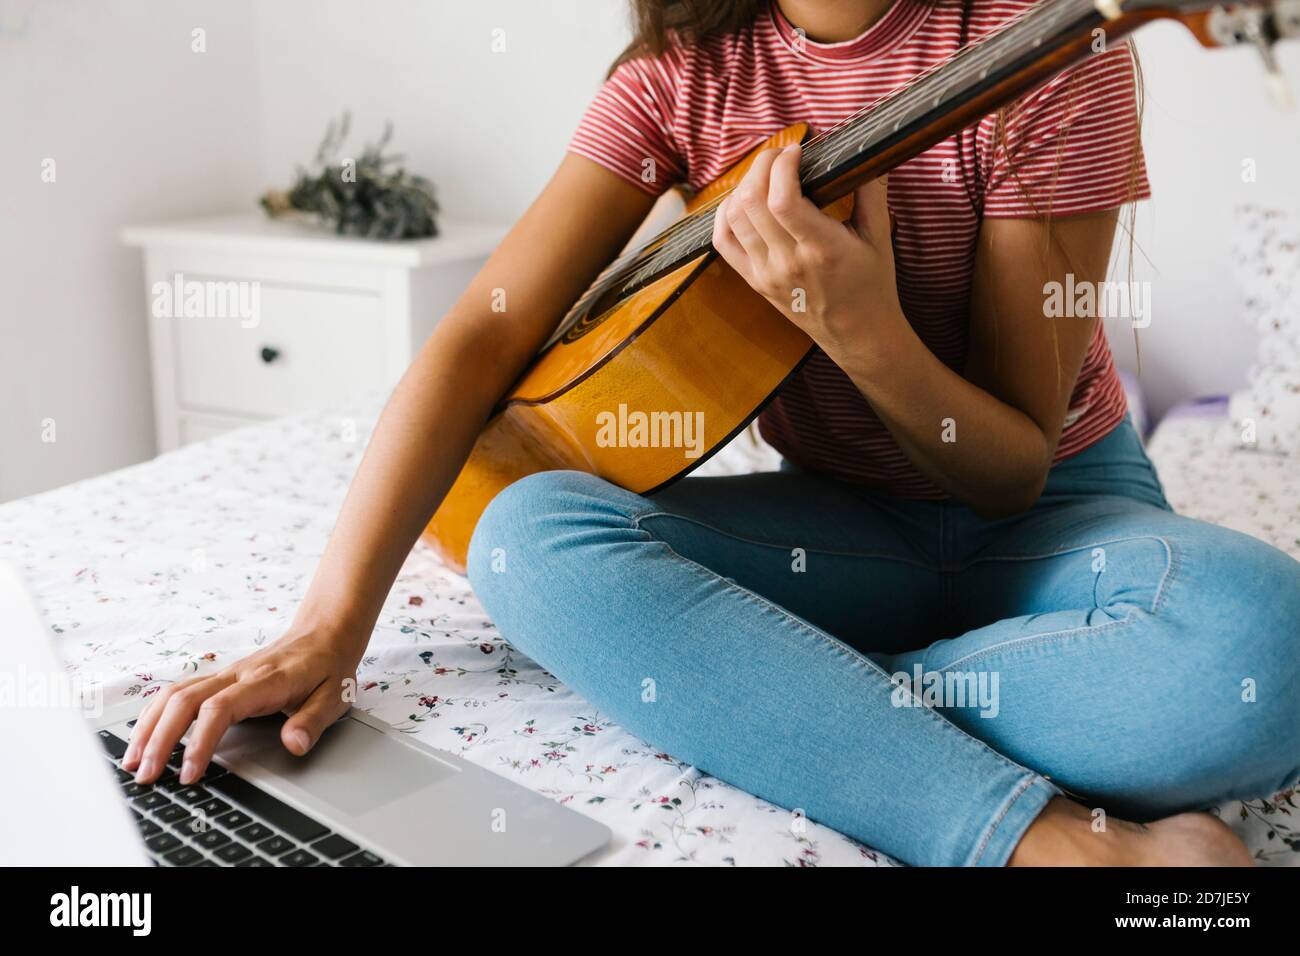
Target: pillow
[1266, 414]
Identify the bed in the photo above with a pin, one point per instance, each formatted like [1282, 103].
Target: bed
[1208, 475]
[183, 564]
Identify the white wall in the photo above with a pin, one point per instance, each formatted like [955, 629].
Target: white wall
[1207, 111]
[143, 129]
[139, 128]
[488, 127]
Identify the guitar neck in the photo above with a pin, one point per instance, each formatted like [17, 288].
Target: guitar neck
[976, 81]
[979, 79]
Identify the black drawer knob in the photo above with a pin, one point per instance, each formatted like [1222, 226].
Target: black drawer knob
[269, 354]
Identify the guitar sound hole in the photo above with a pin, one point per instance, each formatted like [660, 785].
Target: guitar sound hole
[593, 316]
[586, 322]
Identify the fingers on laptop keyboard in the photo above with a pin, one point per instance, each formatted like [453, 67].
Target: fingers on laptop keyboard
[147, 719]
[228, 705]
[194, 826]
[170, 717]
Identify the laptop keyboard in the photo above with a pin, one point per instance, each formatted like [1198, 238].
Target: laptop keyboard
[223, 820]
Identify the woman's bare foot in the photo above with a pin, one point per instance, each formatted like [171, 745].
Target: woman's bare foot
[1063, 835]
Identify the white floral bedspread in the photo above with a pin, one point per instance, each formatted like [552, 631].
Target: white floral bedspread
[1208, 474]
[182, 564]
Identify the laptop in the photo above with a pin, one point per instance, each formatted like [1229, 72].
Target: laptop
[367, 795]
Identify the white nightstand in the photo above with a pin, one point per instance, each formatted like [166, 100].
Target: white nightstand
[276, 317]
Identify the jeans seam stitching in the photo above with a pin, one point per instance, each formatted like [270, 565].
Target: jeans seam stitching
[1056, 554]
[1171, 559]
[659, 513]
[993, 827]
[1047, 637]
[1173, 563]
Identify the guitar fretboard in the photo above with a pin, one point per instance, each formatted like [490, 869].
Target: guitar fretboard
[852, 143]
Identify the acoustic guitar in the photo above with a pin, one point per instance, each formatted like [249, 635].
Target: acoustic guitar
[670, 354]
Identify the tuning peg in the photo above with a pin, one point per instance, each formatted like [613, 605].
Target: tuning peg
[1278, 87]
[1261, 27]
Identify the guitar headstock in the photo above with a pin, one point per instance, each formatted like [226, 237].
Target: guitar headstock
[1258, 23]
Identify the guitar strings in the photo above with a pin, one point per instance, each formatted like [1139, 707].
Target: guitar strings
[896, 106]
[694, 232]
[893, 107]
[684, 235]
[687, 234]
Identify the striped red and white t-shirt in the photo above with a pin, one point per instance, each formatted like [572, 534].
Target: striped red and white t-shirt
[697, 109]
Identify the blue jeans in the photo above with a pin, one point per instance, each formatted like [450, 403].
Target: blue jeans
[917, 677]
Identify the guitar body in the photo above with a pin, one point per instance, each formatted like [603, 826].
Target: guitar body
[673, 331]
[696, 340]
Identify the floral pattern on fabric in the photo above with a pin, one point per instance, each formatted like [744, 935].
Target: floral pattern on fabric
[1267, 258]
[183, 564]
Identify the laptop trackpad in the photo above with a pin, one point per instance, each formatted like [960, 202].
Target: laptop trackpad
[353, 767]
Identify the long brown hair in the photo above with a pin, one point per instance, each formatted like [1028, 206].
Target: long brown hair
[656, 22]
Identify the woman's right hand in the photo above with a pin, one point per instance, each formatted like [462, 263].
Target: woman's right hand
[577, 226]
[308, 674]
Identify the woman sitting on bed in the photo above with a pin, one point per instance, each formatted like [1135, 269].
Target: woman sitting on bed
[965, 504]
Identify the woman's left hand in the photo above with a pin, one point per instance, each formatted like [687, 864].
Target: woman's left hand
[835, 280]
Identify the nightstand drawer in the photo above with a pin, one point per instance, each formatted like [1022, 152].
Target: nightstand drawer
[307, 348]
[337, 318]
